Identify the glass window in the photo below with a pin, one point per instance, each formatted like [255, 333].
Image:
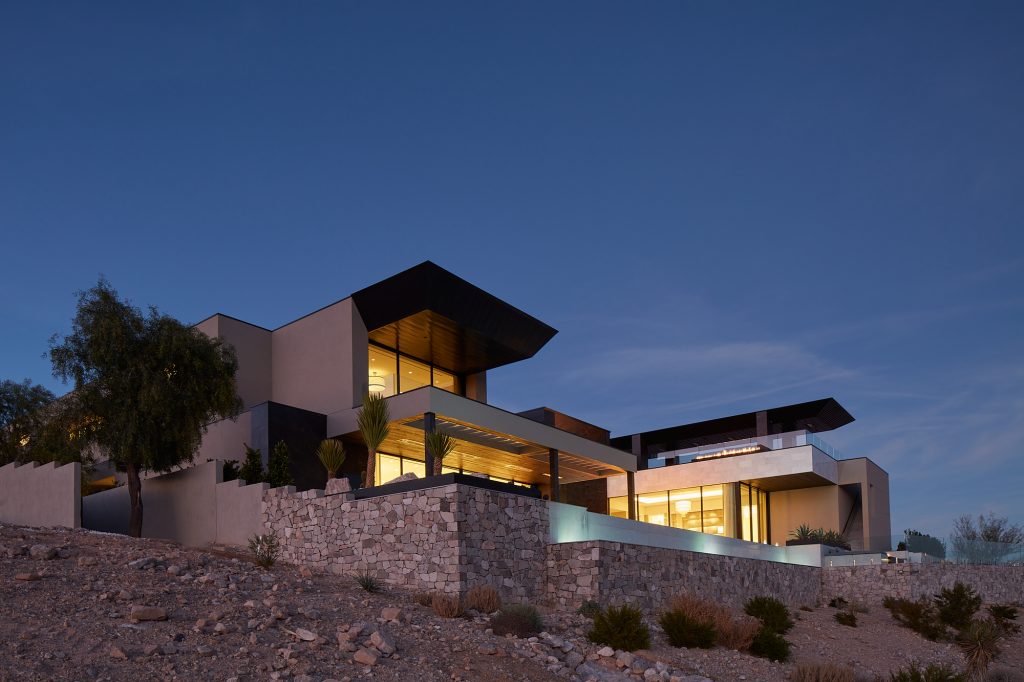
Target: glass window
[415, 466]
[389, 467]
[445, 381]
[762, 508]
[413, 374]
[685, 508]
[449, 470]
[382, 372]
[745, 511]
[617, 507]
[653, 508]
[714, 510]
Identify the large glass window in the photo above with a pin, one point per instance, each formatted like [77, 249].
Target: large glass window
[412, 374]
[446, 381]
[383, 368]
[745, 511]
[389, 467]
[685, 508]
[714, 510]
[729, 509]
[653, 508]
[391, 373]
[618, 506]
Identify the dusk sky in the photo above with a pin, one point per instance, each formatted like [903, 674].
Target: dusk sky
[722, 207]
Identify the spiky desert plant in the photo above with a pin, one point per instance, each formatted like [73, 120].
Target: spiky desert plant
[373, 422]
[980, 643]
[331, 454]
[368, 582]
[441, 445]
[265, 549]
[802, 532]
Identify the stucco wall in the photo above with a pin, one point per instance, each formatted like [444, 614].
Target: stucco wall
[226, 439]
[817, 507]
[874, 485]
[238, 512]
[252, 346]
[870, 584]
[41, 495]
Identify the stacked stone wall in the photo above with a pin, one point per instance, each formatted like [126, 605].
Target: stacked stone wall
[872, 583]
[615, 573]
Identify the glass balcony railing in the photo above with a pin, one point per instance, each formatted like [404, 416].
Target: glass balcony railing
[745, 446]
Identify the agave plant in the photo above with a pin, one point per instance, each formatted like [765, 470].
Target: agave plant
[373, 421]
[833, 538]
[331, 454]
[803, 532]
[441, 444]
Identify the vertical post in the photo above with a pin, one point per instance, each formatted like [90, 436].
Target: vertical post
[553, 470]
[631, 495]
[429, 424]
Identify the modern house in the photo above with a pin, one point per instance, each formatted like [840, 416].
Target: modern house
[425, 339]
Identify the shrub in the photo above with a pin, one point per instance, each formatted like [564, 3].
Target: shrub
[252, 468]
[230, 470]
[521, 620]
[279, 466]
[770, 644]
[423, 598]
[682, 630]
[589, 608]
[980, 643]
[731, 631]
[834, 538]
[620, 627]
[447, 605]
[265, 548]
[822, 672]
[1004, 615]
[958, 605]
[483, 598]
[772, 613]
[848, 618]
[368, 582]
[838, 603]
[920, 616]
[803, 532]
[933, 673]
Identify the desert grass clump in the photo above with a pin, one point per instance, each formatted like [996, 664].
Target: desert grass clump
[933, 673]
[731, 630]
[265, 549]
[822, 672]
[447, 605]
[620, 627]
[847, 618]
[957, 606]
[772, 613]
[682, 630]
[423, 598]
[483, 598]
[521, 620]
[921, 616]
[368, 582]
[979, 642]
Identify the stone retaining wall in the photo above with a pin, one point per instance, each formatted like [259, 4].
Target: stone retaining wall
[871, 584]
[615, 572]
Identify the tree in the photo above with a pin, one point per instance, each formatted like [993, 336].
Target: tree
[331, 454]
[373, 421]
[252, 468]
[441, 445]
[22, 418]
[147, 385]
[279, 468]
[915, 541]
[988, 542]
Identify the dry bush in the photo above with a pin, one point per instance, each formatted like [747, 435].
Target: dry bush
[483, 598]
[446, 605]
[732, 631]
[822, 672]
[424, 598]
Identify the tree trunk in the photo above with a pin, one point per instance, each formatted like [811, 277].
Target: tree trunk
[371, 468]
[135, 497]
[437, 466]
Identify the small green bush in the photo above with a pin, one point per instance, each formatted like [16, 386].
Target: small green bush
[521, 620]
[620, 627]
[265, 548]
[772, 613]
[589, 608]
[770, 644]
[279, 466]
[958, 605]
[1004, 615]
[848, 618]
[368, 582]
[933, 673]
[230, 470]
[682, 630]
[252, 468]
[921, 616]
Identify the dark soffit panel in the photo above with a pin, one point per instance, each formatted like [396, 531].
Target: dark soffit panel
[431, 314]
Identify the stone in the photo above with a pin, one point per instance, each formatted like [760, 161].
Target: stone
[487, 649]
[305, 572]
[367, 657]
[624, 659]
[573, 660]
[148, 613]
[118, 654]
[42, 552]
[204, 650]
[29, 576]
[391, 614]
[303, 634]
[144, 562]
[337, 485]
[606, 652]
[86, 561]
[169, 648]
[383, 642]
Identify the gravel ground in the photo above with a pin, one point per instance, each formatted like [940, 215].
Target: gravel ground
[77, 605]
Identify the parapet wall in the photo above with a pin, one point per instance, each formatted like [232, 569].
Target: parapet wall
[41, 495]
[872, 583]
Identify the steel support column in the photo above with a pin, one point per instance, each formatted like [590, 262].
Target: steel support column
[429, 424]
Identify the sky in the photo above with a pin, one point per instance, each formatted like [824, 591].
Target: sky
[722, 207]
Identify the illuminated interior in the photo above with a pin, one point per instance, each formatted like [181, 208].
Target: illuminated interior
[390, 467]
[730, 509]
[391, 373]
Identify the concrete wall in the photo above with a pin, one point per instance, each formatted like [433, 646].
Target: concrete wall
[817, 507]
[320, 362]
[41, 495]
[874, 486]
[191, 506]
[226, 439]
[871, 584]
[252, 346]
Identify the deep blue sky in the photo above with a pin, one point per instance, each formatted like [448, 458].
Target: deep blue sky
[722, 206]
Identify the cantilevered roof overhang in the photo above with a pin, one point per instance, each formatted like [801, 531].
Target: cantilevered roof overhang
[431, 314]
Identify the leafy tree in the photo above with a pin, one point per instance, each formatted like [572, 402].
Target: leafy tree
[279, 468]
[252, 468]
[146, 384]
[441, 444]
[23, 420]
[922, 542]
[373, 421]
[989, 541]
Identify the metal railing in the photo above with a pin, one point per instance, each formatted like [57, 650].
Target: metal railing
[776, 441]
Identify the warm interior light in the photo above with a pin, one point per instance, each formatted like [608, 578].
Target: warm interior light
[684, 506]
[746, 450]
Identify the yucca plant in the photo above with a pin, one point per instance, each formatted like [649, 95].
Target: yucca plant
[373, 422]
[980, 643]
[441, 444]
[331, 454]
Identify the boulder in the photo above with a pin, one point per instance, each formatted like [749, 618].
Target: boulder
[148, 613]
[383, 642]
[367, 657]
[410, 476]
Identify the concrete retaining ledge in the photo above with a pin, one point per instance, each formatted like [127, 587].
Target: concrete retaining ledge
[41, 495]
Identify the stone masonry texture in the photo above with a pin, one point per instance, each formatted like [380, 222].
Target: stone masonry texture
[870, 584]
